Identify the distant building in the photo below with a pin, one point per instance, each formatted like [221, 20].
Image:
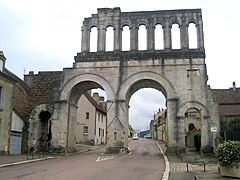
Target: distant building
[158, 129]
[144, 133]
[91, 119]
[131, 131]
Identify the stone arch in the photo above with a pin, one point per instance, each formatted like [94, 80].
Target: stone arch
[92, 26]
[70, 93]
[40, 128]
[204, 123]
[150, 79]
[192, 35]
[158, 23]
[167, 87]
[68, 87]
[176, 35]
[125, 37]
[192, 21]
[110, 25]
[124, 24]
[192, 104]
[109, 37]
[142, 23]
[175, 21]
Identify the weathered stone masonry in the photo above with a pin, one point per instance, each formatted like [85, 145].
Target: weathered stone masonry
[44, 92]
[179, 73]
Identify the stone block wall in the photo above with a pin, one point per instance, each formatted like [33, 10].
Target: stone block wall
[44, 87]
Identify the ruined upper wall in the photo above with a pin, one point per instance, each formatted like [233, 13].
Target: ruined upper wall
[107, 17]
[44, 87]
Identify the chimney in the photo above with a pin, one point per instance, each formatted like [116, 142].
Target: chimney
[234, 86]
[101, 99]
[28, 78]
[2, 61]
[95, 96]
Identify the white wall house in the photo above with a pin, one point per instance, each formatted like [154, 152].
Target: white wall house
[91, 120]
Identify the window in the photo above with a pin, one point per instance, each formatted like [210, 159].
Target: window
[87, 115]
[109, 38]
[142, 37]
[192, 34]
[126, 38]
[115, 136]
[93, 39]
[85, 130]
[175, 32]
[159, 41]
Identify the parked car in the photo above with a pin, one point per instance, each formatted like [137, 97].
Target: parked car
[135, 137]
[148, 136]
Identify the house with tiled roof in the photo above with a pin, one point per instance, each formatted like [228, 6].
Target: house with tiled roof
[14, 100]
[228, 100]
[229, 109]
[91, 119]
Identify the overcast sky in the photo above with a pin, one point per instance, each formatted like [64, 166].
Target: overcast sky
[45, 35]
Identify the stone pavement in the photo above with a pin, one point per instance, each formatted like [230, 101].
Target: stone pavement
[178, 167]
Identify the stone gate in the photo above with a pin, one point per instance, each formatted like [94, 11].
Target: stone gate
[180, 74]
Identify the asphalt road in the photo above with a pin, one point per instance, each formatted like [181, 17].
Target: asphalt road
[144, 163]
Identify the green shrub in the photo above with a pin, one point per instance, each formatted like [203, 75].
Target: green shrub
[228, 152]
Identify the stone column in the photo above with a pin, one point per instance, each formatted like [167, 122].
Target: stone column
[184, 36]
[72, 125]
[101, 38]
[60, 124]
[117, 38]
[85, 38]
[117, 126]
[200, 35]
[171, 122]
[205, 134]
[134, 37]
[167, 36]
[181, 132]
[150, 37]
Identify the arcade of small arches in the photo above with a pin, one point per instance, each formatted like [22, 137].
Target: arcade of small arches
[142, 37]
[142, 32]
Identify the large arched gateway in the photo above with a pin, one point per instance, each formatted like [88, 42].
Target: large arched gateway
[180, 74]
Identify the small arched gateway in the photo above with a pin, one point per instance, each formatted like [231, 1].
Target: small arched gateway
[180, 74]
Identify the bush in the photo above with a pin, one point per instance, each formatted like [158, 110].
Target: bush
[228, 152]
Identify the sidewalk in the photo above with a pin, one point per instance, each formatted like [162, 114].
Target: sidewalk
[178, 168]
[11, 160]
